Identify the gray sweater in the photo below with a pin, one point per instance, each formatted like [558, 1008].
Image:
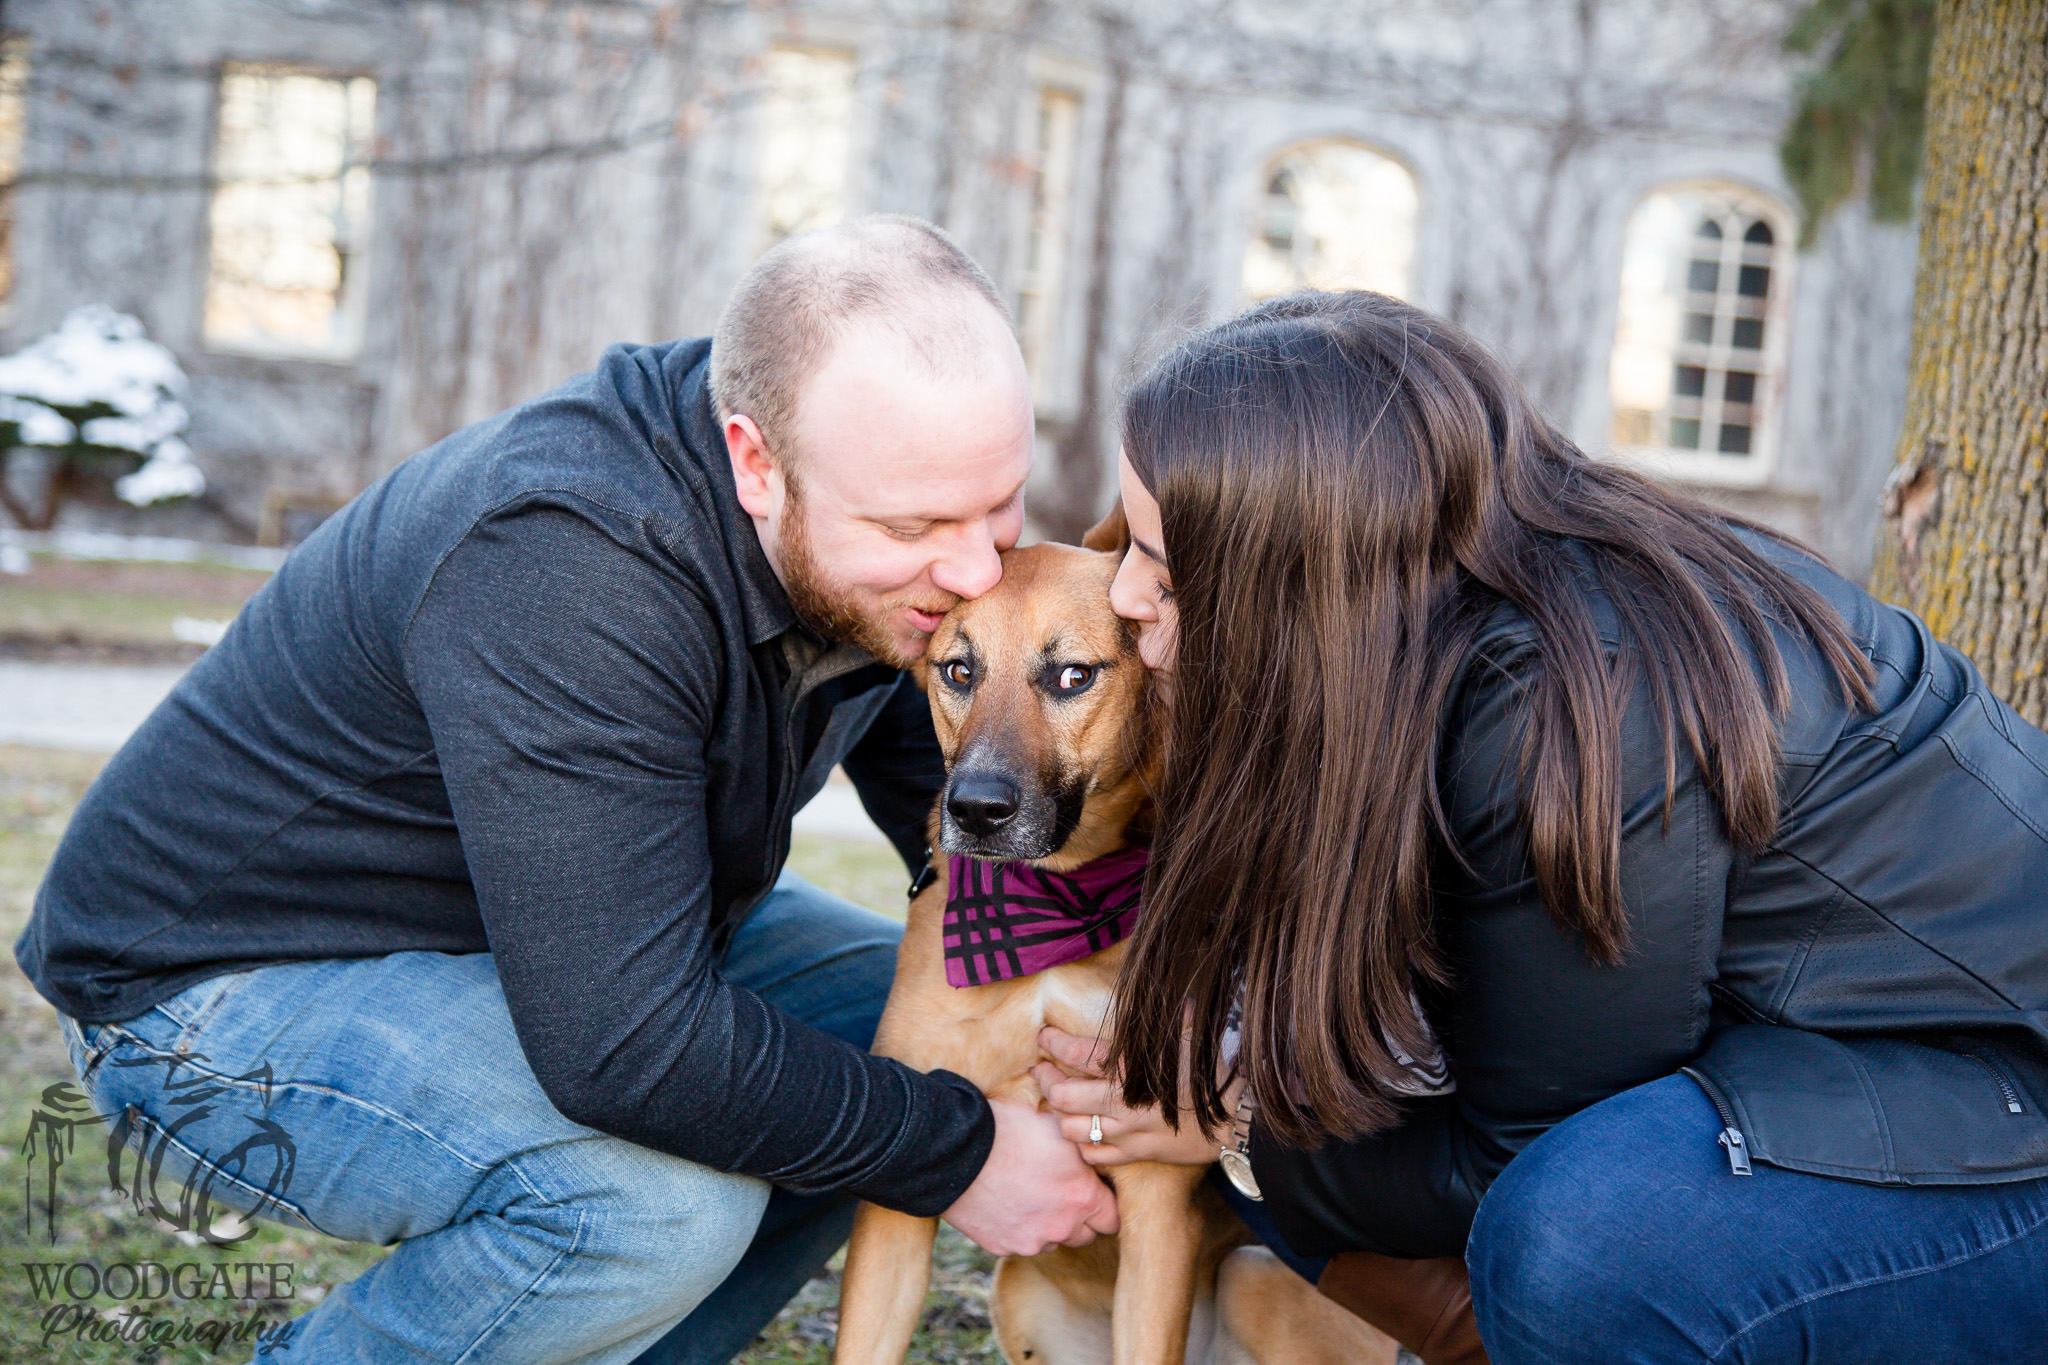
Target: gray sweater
[537, 693]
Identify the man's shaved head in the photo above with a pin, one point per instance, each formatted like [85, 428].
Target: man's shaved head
[900, 274]
[877, 417]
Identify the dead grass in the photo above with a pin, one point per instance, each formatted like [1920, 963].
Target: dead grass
[115, 611]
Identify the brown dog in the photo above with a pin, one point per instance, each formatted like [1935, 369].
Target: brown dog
[1038, 696]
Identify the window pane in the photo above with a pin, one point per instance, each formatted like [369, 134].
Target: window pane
[290, 212]
[1334, 215]
[13, 84]
[806, 144]
[1696, 285]
[1052, 192]
[1632, 426]
[1281, 209]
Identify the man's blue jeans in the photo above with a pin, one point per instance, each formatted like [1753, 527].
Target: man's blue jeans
[1621, 1235]
[415, 1120]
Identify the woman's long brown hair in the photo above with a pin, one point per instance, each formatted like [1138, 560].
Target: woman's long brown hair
[1347, 488]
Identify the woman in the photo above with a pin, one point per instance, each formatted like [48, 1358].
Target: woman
[1718, 889]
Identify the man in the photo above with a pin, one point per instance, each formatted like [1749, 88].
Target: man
[470, 829]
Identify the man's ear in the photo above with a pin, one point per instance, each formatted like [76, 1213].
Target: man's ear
[754, 474]
[1111, 533]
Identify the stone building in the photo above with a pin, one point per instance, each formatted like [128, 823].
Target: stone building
[362, 225]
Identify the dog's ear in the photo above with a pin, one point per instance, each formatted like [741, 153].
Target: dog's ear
[1111, 533]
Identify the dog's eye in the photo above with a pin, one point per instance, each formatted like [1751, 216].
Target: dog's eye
[957, 673]
[1074, 677]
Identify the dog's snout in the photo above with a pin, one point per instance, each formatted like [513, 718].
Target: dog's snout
[982, 803]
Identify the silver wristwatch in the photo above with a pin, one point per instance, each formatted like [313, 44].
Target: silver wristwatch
[1237, 1155]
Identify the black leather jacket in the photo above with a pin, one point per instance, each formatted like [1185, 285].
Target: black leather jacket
[1866, 997]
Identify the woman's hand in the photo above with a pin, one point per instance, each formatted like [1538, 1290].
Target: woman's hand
[1078, 1092]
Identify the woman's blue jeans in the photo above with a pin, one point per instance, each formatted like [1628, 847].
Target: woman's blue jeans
[413, 1119]
[1622, 1235]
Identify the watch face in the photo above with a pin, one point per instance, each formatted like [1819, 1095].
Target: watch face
[1239, 1169]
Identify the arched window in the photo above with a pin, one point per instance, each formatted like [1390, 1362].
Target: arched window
[1699, 340]
[1332, 215]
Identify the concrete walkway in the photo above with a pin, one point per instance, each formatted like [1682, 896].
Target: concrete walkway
[95, 707]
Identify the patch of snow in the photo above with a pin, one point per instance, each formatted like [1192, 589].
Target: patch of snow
[95, 355]
[168, 473]
[99, 356]
[197, 630]
[39, 425]
[140, 434]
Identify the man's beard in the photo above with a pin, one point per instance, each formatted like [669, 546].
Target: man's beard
[836, 611]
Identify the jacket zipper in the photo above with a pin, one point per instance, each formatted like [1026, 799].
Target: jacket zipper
[1731, 1136]
[2005, 1085]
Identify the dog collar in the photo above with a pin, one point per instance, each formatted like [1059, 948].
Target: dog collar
[1006, 920]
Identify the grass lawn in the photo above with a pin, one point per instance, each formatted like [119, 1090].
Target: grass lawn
[38, 789]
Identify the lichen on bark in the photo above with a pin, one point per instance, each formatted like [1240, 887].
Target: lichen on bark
[1964, 537]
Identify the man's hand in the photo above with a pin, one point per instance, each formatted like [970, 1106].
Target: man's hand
[1033, 1192]
[1078, 1092]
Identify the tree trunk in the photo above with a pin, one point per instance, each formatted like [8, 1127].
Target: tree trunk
[60, 480]
[1964, 539]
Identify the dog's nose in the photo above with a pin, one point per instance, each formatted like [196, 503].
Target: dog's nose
[981, 802]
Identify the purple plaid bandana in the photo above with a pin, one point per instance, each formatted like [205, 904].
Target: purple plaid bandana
[1006, 920]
